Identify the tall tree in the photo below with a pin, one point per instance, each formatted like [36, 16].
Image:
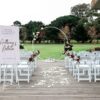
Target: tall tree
[63, 23]
[97, 26]
[17, 23]
[33, 27]
[80, 10]
[23, 34]
[80, 34]
[87, 16]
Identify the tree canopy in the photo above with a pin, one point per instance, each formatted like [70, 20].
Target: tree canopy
[83, 24]
[80, 10]
[61, 23]
[17, 23]
[33, 27]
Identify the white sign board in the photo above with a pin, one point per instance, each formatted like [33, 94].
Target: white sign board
[9, 45]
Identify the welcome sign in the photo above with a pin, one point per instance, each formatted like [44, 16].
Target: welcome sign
[9, 45]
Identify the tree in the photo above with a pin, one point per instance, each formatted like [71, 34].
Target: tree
[17, 23]
[97, 27]
[33, 27]
[29, 28]
[80, 34]
[22, 30]
[87, 16]
[65, 23]
[93, 29]
[23, 34]
[80, 10]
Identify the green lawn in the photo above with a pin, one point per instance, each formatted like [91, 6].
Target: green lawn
[56, 50]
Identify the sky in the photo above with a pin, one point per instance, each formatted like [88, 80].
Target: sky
[35, 10]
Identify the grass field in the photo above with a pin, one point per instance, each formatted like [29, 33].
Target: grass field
[56, 50]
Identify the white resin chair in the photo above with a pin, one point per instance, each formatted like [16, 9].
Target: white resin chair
[24, 71]
[84, 72]
[6, 73]
[96, 72]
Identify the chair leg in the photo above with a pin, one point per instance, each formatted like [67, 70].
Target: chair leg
[0, 73]
[95, 75]
[78, 74]
[89, 72]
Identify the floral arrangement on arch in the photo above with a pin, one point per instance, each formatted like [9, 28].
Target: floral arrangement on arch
[73, 56]
[78, 59]
[34, 54]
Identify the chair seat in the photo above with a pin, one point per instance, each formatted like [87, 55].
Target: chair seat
[97, 66]
[23, 62]
[22, 66]
[83, 66]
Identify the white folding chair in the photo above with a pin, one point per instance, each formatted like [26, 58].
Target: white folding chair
[24, 71]
[84, 72]
[6, 73]
[96, 72]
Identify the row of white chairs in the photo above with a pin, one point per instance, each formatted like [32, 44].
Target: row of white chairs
[19, 72]
[89, 55]
[85, 69]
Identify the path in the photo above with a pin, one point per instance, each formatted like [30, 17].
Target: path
[51, 81]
